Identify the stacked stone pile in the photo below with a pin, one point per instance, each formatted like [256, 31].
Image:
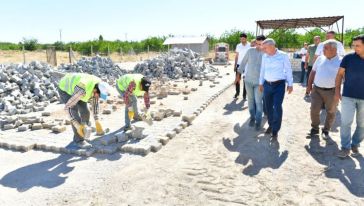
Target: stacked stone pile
[26, 88]
[177, 63]
[102, 67]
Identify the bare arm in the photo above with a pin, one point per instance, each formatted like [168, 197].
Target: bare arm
[307, 59]
[339, 78]
[236, 60]
[310, 81]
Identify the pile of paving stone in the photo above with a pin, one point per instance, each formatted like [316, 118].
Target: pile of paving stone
[25, 123]
[26, 88]
[102, 67]
[177, 63]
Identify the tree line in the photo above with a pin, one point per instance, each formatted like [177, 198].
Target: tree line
[284, 38]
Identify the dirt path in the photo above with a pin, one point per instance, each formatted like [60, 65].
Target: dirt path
[219, 160]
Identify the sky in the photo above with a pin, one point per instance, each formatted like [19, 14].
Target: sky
[82, 20]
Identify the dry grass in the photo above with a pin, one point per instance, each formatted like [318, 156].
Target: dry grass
[7, 57]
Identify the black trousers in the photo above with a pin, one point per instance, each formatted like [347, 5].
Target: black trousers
[309, 69]
[237, 86]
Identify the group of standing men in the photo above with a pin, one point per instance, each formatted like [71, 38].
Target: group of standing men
[267, 76]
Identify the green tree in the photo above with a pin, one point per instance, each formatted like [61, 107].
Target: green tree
[30, 44]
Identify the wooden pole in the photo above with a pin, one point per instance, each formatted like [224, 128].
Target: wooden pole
[148, 51]
[23, 55]
[70, 55]
[91, 50]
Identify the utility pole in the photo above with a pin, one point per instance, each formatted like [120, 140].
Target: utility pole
[60, 35]
[126, 36]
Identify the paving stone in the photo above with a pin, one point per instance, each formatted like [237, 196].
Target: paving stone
[23, 128]
[18, 123]
[108, 139]
[212, 86]
[59, 129]
[171, 134]
[178, 129]
[174, 92]
[121, 137]
[142, 149]
[67, 122]
[136, 148]
[137, 132]
[183, 125]
[194, 89]
[46, 114]
[189, 118]
[158, 116]
[129, 134]
[163, 139]
[186, 91]
[9, 126]
[177, 113]
[155, 146]
[49, 125]
[110, 149]
[106, 111]
[37, 126]
[185, 98]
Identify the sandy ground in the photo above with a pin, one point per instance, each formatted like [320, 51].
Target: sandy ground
[219, 160]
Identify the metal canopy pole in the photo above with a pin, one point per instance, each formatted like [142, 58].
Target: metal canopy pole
[342, 30]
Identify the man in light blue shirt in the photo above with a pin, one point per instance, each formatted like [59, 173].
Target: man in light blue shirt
[275, 72]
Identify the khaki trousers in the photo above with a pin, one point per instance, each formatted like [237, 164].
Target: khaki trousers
[321, 97]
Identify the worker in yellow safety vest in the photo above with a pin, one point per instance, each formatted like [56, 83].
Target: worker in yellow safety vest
[75, 90]
[131, 86]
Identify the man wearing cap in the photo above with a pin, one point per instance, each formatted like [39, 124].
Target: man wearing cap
[130, 86]
[75, 90]
[240, 51]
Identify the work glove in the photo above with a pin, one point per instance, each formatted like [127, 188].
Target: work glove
[99, 129]
[79, 127]
[130, 113]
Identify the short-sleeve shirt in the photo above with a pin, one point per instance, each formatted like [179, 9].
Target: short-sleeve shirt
[340, 49]
[326, 71]
[311, 52]
[354, 76]
[241, 49]
[303, 52]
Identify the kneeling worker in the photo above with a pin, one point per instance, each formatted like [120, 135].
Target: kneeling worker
[75, 90]
[130, 86]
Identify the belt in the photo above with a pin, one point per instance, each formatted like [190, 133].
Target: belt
[275, 82]
[322, 88]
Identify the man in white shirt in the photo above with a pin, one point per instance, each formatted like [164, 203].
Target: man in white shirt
[303, 53]
[340, 50]
[240, 51]
[323, 77]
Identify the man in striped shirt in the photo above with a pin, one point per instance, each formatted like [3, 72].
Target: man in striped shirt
[130, 86]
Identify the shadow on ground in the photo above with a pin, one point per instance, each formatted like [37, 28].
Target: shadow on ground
[234, 106]
[48, 174]
[348, 171]
[256, 152]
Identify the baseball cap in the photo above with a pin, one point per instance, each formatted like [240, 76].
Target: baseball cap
[146, 84]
